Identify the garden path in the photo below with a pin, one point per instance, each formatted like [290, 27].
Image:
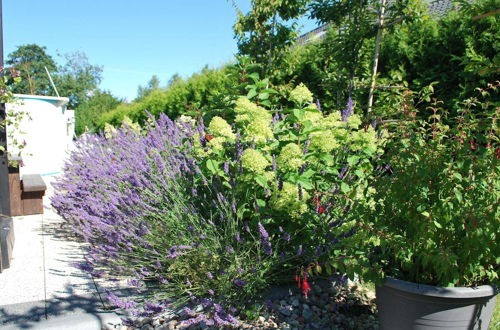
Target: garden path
[42, 285]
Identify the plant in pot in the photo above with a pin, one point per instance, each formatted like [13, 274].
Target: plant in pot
[432, 228]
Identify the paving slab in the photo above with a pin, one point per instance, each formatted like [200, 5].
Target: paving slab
[24, 280]
[42, 283]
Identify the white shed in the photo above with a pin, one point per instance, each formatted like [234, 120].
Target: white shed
[48, 132]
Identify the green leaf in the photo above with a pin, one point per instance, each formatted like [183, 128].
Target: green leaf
[254, 76]
[437, 224]
[305, 183]
[212, 165]
[261, 202]
[263, 96]
[298, 113]
[251, 93]
[458, 176]
[459, 196]
[327, 158]
[352, 160]
[426, 214]
[318, 269]
[261, 181]
[360, 173]
[308, 173]
[270, 91]
[345, 187]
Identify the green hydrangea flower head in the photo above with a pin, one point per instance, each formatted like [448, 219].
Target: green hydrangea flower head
[216, 144]
[246, 111]
[135, 127]
[254, 161]
[314, 116]
[287, 200]
[187, 120]
[301, 94]
[290, 157]
[109, 131]
[258, 130]
[354, 121]
[364, 139]
[220, 128]
[333, 120]
[324, 141]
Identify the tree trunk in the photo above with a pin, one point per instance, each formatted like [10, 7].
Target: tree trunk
[376, 55]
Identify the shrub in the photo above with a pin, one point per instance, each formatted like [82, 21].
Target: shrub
[295, 170]
[212, 216]
[133, 197]
[201, 92]
[436, 216]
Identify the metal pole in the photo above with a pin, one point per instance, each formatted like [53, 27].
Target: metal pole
[4, 171]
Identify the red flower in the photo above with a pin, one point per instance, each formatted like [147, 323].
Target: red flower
[472, 144]
[297, 279]
[321, 210]
[305, 287]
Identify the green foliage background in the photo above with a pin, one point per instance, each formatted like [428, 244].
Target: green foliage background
[454, 54]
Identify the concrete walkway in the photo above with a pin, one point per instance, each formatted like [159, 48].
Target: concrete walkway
[42, 283]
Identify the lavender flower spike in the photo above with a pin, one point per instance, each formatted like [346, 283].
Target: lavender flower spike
[348, 111]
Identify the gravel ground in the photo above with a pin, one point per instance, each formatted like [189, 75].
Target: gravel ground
[329, 306]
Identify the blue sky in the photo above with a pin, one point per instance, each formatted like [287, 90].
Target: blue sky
[131, 40]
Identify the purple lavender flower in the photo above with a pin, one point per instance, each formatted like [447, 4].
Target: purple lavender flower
[275, 118]
[263, 233]
[343, 172]
[162, 279]
[318, 104]
[300, 191]
[211, 292]
[240, 282]
[229, 249]
[210, 276]
[264, 240]
[274, 166]
[280, 183]
[233, 206]
[134, 282]
[300, 250]
[306, 145]
[286, 236]
[188, 311]
[348, 111]
[226, 167]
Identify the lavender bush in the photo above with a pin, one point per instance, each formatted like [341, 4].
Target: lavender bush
[147, 212]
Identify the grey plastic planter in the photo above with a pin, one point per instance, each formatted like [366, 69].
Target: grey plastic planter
[404, 306]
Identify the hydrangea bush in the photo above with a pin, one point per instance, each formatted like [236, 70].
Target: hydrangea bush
[297, 171]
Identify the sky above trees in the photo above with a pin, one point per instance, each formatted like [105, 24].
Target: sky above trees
[132, 41]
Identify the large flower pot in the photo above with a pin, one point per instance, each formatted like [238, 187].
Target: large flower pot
[404, 305]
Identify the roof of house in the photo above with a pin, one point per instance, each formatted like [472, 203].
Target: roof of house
[437, 8]
[58, 101]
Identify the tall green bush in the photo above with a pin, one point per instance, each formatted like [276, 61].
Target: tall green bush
[201, 92]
